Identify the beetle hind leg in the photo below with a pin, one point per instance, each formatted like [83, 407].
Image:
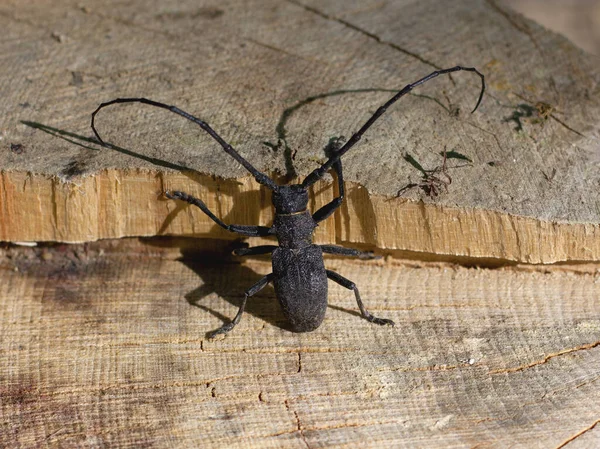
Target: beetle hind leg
[341, 280]
[262, 283]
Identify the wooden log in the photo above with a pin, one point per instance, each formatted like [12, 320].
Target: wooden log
[101, 343]
[279, 80]
[104, 345]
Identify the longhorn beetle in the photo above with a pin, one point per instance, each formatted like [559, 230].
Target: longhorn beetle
[299, 275]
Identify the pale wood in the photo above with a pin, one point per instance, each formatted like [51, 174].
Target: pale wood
[112, 204]
[101, 348]
[528, 196]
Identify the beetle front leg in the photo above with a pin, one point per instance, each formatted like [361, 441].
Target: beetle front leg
[330, 207]
[250, 231]
[326, 211]
[341, 280]
[262, 283]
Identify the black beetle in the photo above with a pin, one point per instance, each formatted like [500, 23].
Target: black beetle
[299, 274]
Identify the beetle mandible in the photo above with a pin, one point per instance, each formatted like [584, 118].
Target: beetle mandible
[299, 275]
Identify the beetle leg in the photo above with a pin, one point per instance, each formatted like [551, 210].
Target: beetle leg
[251, 231]
[262, 283]
[263, 249]
[340, 250]
[330, 207]
[339, 279]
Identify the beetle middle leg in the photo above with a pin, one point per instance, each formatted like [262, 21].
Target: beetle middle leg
[341, 251]
[341, 280]
[255, 250]
[262, 283]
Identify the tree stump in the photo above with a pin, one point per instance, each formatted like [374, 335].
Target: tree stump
[104, 343]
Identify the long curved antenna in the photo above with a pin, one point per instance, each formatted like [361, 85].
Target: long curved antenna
[319, 172]
[261, 178]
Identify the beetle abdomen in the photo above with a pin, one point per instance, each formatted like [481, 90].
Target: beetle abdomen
[301, 286]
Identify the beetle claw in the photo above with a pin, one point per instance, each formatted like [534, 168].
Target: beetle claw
[383, 321]
[175, 195]
[222, 330]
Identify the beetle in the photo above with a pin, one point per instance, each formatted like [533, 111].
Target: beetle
[299, 274]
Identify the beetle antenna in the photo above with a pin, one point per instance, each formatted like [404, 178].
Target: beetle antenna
[319, 172]
[261, 178]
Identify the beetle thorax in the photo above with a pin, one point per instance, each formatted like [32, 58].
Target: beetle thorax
[290, 199]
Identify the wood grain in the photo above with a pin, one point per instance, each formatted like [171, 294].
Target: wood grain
[103, 345]
[279, 79]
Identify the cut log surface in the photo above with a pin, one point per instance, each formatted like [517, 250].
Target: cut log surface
[279, 80]
[104, 345]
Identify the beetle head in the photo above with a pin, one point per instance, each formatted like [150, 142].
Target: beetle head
[290, 199]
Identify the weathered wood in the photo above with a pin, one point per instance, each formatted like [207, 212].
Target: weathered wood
[101, 348]
[294, 75]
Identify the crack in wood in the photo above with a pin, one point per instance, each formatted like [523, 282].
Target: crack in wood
[329, 394]
[237, 396]
[151, 386]
[117, 387]
[299, 429]
[545, 359]
[53, 199]
[308, 350]
[417, 369]
[364, 32]
[578, 434]
[167, 341]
